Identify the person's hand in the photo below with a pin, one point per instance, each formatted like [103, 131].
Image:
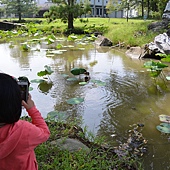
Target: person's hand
[29, 104]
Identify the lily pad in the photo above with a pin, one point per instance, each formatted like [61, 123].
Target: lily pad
[65, 75]
[56, 52]
[164, 127]
[47, 71]
[168, 78]
[164, 118]
[99, 82]
[45, 86]
[78, 71]
[75, 100]
[37, 80]
[83, 83]
[57, 116]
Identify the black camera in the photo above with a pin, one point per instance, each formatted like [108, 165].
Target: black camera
[24, 83]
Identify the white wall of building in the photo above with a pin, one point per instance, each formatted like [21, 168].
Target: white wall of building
[99, 11]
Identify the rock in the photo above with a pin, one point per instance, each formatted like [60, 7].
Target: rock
[103, 41]
[135, 52]
[70, 144]
[166, 14]
[161, 43]
[158, 26]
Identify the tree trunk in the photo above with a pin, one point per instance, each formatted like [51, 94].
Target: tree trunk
[70, 15]
[148, 3]
[19, 10]
[142, 8]
[70, 21]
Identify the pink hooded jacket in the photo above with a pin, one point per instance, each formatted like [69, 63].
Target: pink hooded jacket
[18, 141]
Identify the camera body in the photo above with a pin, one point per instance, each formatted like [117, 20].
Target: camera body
[24, 83]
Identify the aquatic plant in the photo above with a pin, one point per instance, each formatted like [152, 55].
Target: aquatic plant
[156, 69]
[47, 71]
[164, 57]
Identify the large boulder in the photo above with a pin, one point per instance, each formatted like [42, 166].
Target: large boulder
[158, 26]
[70, 144]
[166, 14]
[135, 52]
[161, 43]
[103, 41]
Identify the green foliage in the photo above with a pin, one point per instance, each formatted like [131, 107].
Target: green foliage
[155, 68]
[50, 157]
[164, 127]
[20, 7]
[112, 5]
[72, 37]
[78, 71]
[75, 100]
[57, 116]
[164, 57]
[161, 6]
[98, 82]
[67, 11]
[47, 71]
[25, 47]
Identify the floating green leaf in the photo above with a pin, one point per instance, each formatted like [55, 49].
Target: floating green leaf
[155, 68]
[37, 81]
[72, 37]
[154, 65]
[47, 71]
[42, 73]
[65, 75]
[45, 86]
[83, 83]
[57, 116]
[50, 40]
[78, 71]
[75, 100]
[59, 46]
[165, 57]
[72, 79]
[164, 127]
[168, 78]
[56, 52]
[99, 82]
[164, 118]
[25, 47]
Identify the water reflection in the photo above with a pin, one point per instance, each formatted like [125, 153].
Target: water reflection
[127, 97]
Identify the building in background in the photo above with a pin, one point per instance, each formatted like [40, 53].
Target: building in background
[98, 9]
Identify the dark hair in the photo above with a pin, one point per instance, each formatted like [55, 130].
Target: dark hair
[10, 99]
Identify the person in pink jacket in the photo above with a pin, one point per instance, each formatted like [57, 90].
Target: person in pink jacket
[18, 138]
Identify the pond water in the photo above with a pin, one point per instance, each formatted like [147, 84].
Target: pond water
[127, 95]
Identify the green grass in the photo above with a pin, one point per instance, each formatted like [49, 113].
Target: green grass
[118, 30]
[133, 33]
[50, 157]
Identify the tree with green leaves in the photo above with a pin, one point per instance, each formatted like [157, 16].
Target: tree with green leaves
[111, 6]
[66, 10]
[20, 7]
[86, 7]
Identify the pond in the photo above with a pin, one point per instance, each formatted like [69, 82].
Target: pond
[126, 95]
